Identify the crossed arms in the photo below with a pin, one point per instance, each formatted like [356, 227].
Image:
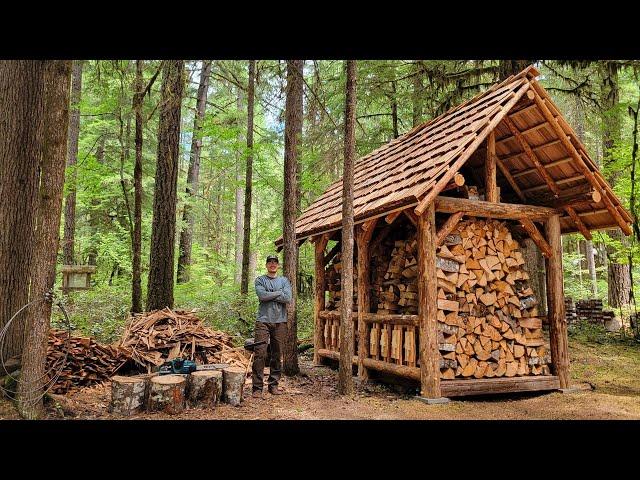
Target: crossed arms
[281, 296]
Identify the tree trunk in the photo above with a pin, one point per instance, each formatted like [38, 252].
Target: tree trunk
[246, 242]
[186, 236]
[21, 144]
[394, 109]
[618, 274]
[94, 215]
[239, 197]
[74, 133]
[45, 250]
[292, 139]
[417, 95]
[163, 230]
[136, 281]
[345, 379]
[591, 265]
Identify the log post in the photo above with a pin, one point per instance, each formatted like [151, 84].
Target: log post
[427, 305]
[364, 293]
[490, 183]
[319, 299]
[167, 394]
[555, 304]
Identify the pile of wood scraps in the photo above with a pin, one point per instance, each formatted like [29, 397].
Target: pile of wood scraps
[151, 338]
[86, 362]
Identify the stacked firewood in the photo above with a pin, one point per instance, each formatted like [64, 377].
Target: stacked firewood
[592, 311]
[487, 314]
[396, 287]
[333, 284]
[153, 337]
[86, 362]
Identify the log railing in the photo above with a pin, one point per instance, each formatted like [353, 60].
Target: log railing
[391, 341]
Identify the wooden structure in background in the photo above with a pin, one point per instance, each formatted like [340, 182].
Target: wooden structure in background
[76, 277]
[422, 189]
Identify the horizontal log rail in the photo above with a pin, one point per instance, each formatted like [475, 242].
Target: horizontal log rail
[478, 208]
[335, 355]
[394, 369]
[391, 319]
[334, 315]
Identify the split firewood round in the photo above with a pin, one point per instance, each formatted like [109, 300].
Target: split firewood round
[205, 388]
[232, 383]
[167, 394]
[128, 395]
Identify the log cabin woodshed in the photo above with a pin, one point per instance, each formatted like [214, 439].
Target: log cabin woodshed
[443, 296]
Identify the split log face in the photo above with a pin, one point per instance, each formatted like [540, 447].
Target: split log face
[128, 395]
[167, 394]
[204, 389]
[232, 383]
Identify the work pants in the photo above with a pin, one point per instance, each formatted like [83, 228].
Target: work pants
[275, 334]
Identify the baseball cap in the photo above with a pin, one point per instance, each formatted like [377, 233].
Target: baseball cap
[272, 257]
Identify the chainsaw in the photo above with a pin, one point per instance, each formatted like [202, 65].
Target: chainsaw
[179, 366]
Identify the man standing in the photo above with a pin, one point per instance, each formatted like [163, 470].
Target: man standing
[273, 292]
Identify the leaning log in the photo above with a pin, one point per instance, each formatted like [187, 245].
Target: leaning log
[167, 394]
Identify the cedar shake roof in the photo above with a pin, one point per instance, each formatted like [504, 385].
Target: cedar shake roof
[423, 161]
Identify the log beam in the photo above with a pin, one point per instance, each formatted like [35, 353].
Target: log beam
[427, 305]
[555, 304]
[363, 238]
[536, 236]
[479, 208]
[444, 180]
[559, 182]
[532, 156]
[581, 226]
[411, 216]
[505, 172]
[581, 165]
[449, 225]
[319, 297]
[490, 184]
[392, 216]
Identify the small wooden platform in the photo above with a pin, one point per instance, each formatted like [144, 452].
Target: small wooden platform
[483, 386]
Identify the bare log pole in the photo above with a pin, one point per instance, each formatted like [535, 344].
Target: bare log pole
[491, 186]
[319, 300]
[555, 303]
[364, 292]
[427, 305]
[479, 208]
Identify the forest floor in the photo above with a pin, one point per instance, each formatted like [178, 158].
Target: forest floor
[607, 372]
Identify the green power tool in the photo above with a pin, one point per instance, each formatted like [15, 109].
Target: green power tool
[177, 366]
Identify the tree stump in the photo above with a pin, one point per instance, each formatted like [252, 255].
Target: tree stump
[205, 388]
[167, 394]
[232, 383]
[128, 395]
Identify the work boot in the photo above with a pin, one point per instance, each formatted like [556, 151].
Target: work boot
[257, 394]
[275, 390]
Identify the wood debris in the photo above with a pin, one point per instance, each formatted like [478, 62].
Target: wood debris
[86, 362]
[151, 338]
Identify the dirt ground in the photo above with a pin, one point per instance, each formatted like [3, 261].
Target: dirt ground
[608, 374]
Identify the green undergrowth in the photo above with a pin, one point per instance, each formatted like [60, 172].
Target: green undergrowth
[610, 362]
[102, 311]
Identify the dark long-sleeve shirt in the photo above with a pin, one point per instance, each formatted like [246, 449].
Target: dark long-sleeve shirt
[274, 294]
